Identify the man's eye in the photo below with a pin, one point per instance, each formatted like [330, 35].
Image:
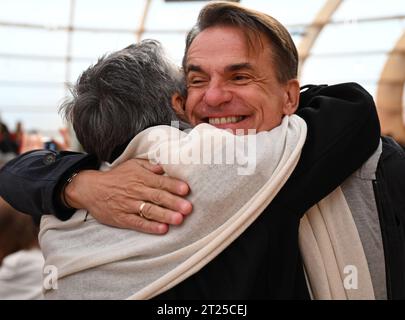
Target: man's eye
[196, 82]
[240, 78]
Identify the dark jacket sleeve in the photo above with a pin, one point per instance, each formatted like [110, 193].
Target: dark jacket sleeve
[389, 188]
[343, 132]
[32, 182]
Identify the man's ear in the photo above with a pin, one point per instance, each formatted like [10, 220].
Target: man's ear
[178, 105]
[292, 96]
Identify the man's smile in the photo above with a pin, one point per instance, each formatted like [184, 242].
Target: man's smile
[224, 120]
[232, 122]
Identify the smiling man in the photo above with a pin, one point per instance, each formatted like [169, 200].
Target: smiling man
[241, 69]
[238, 89]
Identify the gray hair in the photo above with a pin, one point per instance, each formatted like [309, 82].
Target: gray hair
[121, 95]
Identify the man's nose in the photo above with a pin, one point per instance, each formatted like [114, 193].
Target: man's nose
[216, 95]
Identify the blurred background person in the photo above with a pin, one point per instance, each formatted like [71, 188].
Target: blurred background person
[21, 261]
[8, 148]
[31, 141]
[17, 135]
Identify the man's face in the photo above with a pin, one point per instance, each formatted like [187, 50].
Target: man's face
[232, 87]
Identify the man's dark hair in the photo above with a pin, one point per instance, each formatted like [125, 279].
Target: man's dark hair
[122, 94]
[254, 24]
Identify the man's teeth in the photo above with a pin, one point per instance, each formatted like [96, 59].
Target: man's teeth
[224, 120]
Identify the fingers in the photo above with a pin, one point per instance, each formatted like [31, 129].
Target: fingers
[135, 222]
[151, 175]
[161, 190]
[114, 197]
[146, 164]
[166, 200]
[153, 212]
[169, 184]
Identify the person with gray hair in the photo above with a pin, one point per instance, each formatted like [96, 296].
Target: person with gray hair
[134, 87]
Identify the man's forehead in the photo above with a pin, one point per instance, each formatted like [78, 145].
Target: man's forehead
[225, 68]
[225, 45]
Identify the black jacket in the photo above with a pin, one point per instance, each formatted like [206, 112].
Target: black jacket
[264, 262]
[389, 191]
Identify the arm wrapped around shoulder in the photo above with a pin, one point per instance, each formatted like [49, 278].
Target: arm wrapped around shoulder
[343, 132]
[32, 182]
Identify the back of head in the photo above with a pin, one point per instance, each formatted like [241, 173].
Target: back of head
[254, 24]
[122, 94]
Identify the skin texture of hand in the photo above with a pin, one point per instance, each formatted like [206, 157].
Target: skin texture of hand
[114, 197]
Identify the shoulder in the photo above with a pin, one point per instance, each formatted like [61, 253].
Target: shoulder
[392, 162]
[393, 154]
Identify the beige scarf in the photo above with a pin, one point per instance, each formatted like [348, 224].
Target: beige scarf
[122, 263]
[207, 248]
[335, 264]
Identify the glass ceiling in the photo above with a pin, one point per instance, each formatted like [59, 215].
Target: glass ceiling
[46, 43]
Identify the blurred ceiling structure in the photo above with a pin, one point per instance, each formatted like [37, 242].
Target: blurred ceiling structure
[46, 44]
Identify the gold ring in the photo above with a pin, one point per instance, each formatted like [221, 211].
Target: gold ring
[140, 210]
